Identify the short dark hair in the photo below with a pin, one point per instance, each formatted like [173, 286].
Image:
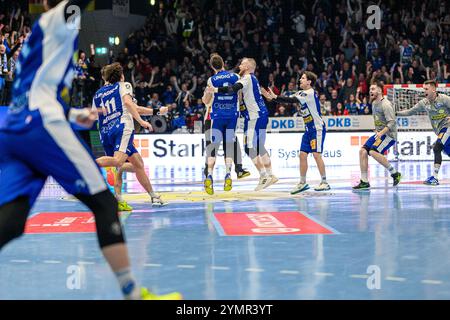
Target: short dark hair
[311, 76]
[377, 83]
[431, 82]
[113, 72]
[216, 62]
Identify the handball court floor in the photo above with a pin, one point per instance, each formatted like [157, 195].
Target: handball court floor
[386, 243]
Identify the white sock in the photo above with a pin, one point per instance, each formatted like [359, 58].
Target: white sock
[152, 194]
[303, 179]
[324, 178]
[436, 170]
[391, 169]
[119, 197]
[128, 285]
[210, 171]
[269, 171]
[228, 167]
[364, 176]
[262, 173]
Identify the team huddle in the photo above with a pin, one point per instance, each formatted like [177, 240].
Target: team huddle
[37, 140]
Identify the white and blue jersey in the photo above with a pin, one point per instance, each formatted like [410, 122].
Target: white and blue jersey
[36, 141]
[115, 122]
[255, 114]
[314, 136]
[253, 100]
[44, 73]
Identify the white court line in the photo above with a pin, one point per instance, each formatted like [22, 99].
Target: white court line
[156, 265]
[324, 274]
[185, 266]
[289, 272]
[431, 282]
[359, 276]
[85, 262]
[52, 261]
[19, 261]
[399, 279]
[254, 270]
[219, 268]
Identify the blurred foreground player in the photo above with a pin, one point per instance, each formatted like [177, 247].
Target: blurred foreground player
[37, 141]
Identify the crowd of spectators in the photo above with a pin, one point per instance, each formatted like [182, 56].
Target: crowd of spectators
[14, 27]
[167, 59]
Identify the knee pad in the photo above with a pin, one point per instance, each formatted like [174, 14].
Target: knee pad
[13, 217]
[104, 206]
[251, 152]
[263, 151]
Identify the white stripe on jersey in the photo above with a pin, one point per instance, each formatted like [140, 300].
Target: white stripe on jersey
[65, 138]
[57, 52]
[126, 89]
[308, 98]
[249, 97]
[319, 139]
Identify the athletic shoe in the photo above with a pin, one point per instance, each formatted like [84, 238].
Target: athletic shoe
[323, 186]
[228, 184]
[208, 183]
[300, 187]
[243, 174]
[124, 206]
[431, 181]
[158, 202]
[362, 185]
[147, 295]
[272, 180]
[262, 182]
[111, 173]
[397, 177]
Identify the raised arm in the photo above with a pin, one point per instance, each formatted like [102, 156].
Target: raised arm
[417, 108]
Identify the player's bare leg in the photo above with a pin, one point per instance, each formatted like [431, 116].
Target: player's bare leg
[302, 185]
[267, 163]
[118, 182]
[141, 176]
[364, 167]
[208, 183]
[381, 159]
[323, 186]
[117, 161]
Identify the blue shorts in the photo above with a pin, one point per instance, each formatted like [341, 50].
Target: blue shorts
[444, 138]
[255, 132]
[118, 139]
[313, 140]
[28, 158]
[223, 130]
[379, 145]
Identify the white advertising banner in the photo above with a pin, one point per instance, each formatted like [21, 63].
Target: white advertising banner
[340, 148]
[121, 8]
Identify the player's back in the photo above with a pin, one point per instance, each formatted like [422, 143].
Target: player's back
[110, 99]
[224, 105]
[310, 109]
[253, 100]
[44, 72]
